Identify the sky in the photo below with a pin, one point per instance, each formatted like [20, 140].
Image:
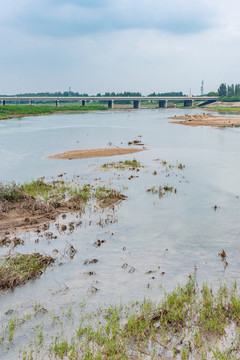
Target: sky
[102, 46]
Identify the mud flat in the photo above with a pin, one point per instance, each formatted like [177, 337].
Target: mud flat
[21, 211]
[94, 153]
[206, 120]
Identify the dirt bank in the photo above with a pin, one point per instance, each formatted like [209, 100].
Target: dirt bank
[94, 153]
[31, 213]
[206, 120]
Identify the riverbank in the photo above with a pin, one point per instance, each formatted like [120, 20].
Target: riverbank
[206, 120]
[13, 111]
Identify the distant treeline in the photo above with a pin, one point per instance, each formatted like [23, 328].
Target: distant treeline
[48, 94]
[125, 93]
[168, 94]
[113, 94]
[229, 92]
[226, 92]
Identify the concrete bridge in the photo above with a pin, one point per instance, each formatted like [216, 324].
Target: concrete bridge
[188, 101]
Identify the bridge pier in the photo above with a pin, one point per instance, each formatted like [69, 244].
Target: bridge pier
[110, 104]
[162, 104]
[57, 103]
[30, 101]
[188, 103]
[136, 104]
[3, 102]
[84, 102]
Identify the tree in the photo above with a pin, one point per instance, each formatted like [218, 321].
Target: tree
[222, 90]
[212, 93]
[230, 90]
[237, 89]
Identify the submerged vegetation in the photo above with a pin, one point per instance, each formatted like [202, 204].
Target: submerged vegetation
[9, 111]
[161, 190]
[191, 322]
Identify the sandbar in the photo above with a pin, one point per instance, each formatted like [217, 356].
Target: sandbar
[206, 120]
[94, 153]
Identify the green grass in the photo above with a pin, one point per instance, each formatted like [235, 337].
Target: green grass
[55, 190]
[10, 192]
[8, 111]
[58, 191]
[123, 165]
[227, 109]
[187, 309]
[187, 323]
[16, 269]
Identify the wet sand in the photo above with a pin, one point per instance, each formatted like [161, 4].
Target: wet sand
[206, 120]
[94, 153]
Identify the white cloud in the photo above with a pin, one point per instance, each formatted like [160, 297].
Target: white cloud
[133, 51]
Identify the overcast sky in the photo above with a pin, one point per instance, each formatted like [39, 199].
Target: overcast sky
[116, 45]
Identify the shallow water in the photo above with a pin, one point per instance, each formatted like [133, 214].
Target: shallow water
[170, 236]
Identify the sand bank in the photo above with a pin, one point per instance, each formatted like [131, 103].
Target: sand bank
[94, 153]
[206, 120]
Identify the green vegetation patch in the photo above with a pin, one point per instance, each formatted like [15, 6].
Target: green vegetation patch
[10, 192]
[55, 190]
[123, 165]
[8, 111]
[56, 193]
[18, 268]
[226, 109]
[189, 322]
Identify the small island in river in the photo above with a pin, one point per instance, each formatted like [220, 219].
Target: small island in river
[206, 120]
[94, 153]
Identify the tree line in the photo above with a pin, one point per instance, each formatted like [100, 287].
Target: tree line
[112, 94]
[227, 92]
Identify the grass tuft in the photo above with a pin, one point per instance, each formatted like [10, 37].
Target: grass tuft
[18, 268]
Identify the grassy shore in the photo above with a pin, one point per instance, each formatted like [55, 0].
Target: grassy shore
[10, 111]
[192, 322]
[224, 109]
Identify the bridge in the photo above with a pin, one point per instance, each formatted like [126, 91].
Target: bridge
[188, 101]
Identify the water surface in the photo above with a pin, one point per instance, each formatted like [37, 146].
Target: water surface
[171, 236]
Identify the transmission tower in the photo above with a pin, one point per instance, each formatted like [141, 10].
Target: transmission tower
[202, 88]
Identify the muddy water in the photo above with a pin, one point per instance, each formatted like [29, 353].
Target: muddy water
[169, 236]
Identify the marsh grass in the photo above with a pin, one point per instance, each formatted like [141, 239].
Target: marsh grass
[10, 192]
[161, 190]
[58, 190]
[107, 196]
[188, 323]
[184, 321]
[16, 269]
[123, 165]
[55, 190]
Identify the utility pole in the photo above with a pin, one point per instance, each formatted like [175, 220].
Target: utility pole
[202, 88]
